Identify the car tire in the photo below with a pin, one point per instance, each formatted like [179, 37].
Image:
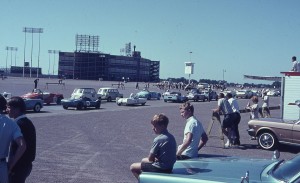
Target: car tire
[109, 99]
[65, 107]
[98, 104]
[37, 107]
[79, 106]
[267, 140]
[58, 101]
[165, 100]
[143, 103]
[119, 104]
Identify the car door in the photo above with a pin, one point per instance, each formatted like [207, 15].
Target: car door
[296, 132]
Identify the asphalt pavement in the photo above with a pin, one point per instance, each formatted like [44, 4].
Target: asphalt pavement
[99, 145]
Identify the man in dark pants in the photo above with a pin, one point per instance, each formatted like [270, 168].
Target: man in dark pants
[35, 83]
[237, 117]
[16, 109]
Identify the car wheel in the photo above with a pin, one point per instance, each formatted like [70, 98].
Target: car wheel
[143, 103]
[109, 99]
[98, 104]
[65, 107]
[58, 101]
[148, 98]
[197, 99]
[79, 106]
[267, 140]
[37, 108]
[119, 103]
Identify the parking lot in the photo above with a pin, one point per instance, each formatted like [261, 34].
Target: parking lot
[99, 145]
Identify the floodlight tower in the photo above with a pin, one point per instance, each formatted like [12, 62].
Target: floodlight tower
[189, 67]
[53, 52]
[32, 31]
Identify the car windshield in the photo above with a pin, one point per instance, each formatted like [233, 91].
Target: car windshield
[287, 169]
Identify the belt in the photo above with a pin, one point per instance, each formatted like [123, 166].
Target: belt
[2, 159]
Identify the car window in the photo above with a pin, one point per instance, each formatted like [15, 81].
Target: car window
[288, 169]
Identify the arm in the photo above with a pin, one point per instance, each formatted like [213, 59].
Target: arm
[151, 157]
[186, 143]
[217, 109]
[203, 140]
[19, 152]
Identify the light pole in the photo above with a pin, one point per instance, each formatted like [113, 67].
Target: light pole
[224, 70]
[53, 52]
[11, 49]
[191, 62]
[32, 30]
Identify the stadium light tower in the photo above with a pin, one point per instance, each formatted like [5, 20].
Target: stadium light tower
[32, 31]
[53, 52]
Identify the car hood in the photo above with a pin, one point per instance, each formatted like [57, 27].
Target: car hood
[217, 169]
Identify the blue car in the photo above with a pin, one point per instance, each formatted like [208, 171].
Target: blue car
[80, 103]
[221, 169]
[149, 95]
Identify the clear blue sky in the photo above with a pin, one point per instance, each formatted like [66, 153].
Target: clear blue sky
[254, 37]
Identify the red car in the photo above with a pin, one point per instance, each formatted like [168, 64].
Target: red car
[46, 96]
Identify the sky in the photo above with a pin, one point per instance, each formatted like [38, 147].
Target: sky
[224, 38]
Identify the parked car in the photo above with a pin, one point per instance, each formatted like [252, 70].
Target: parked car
[82, 98]
[274, 93]
[175, 97]
[195, 95]
[131, 100]
[229, 91]
[47, 97]
[149, 95]
[212, 95]
[244, 94]
[270, 132]
[109, 94]
[221, 169]
[31, 104]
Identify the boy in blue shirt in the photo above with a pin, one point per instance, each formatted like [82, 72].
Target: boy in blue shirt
[162, 154]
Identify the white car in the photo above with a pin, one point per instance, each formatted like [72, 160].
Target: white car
[132, 100]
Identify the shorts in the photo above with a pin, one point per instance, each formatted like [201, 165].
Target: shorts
[148, 167]
[228, 120]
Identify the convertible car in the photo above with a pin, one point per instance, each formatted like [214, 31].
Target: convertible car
[31, 104]
[212, 169]
[45, 96]
[270, 132]
[148, 95]
[132, 100]
[174, 97]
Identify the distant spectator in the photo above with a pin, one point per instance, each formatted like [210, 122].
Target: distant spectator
[36, 83]
[265, 105]
[254, 108]
[295, 64]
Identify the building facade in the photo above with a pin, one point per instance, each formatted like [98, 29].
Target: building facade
[95, 66]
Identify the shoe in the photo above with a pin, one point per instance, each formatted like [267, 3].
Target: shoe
[227, 143]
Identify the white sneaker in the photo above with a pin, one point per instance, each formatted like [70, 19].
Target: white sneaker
[227, 143]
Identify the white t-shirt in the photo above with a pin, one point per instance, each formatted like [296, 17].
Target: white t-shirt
[195, 127]
[266, 101]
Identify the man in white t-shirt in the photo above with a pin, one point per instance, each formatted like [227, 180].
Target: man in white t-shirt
[194, 135]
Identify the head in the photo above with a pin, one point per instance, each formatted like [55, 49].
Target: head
[294, 58]
[2, 104]
[16, 107]
[229, 95]
[160, 122]
[221, 95]
[254, 99]
[186, 110]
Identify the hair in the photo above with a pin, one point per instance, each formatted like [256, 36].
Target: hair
[229, 95]
[160, 119]
[294, 58]
[254, 99]
[2, 103]
[221, 95]
[18, 103]
[187, 106]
